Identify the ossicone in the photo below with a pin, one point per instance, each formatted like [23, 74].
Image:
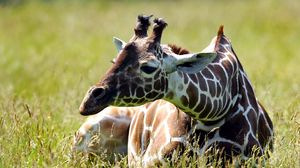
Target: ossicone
[142, 25]
[158, 27]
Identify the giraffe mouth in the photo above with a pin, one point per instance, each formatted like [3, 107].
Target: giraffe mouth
[93, 105]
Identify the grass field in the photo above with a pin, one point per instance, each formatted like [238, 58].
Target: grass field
[52, 51]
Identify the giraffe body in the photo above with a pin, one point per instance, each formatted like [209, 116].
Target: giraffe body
[211, 87]
[151, 133]
[154, 131]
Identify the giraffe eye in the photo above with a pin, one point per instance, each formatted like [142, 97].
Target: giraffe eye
[148, 69]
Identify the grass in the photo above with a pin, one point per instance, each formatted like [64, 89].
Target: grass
[52, 51]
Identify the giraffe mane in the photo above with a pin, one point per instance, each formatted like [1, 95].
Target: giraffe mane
[219, 36]
[178, 50]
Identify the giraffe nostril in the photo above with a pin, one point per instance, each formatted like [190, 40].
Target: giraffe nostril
[98, 92]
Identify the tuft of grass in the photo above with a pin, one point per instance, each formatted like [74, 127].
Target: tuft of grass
[52, 51]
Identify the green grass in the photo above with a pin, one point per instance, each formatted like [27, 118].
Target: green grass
[52, 51]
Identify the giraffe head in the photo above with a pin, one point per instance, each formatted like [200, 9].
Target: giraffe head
[139, 73]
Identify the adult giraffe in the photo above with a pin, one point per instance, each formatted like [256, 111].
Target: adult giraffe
[210, 86]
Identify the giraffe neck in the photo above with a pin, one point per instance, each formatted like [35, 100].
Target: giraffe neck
[214, 92]
[200, 104]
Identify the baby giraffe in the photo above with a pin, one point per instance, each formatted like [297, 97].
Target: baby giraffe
[150, 132]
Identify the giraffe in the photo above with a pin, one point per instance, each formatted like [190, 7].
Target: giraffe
[141, 130]
[210, 86]
[109, 131]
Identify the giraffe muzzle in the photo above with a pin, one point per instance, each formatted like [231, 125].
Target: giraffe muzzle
[95, 100]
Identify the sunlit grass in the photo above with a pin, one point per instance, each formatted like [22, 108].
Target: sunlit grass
[52, 51]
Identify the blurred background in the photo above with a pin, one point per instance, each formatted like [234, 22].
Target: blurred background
[51, 52]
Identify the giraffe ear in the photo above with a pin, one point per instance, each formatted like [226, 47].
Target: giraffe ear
[195, 62]
[120, 44]
[206, 58]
